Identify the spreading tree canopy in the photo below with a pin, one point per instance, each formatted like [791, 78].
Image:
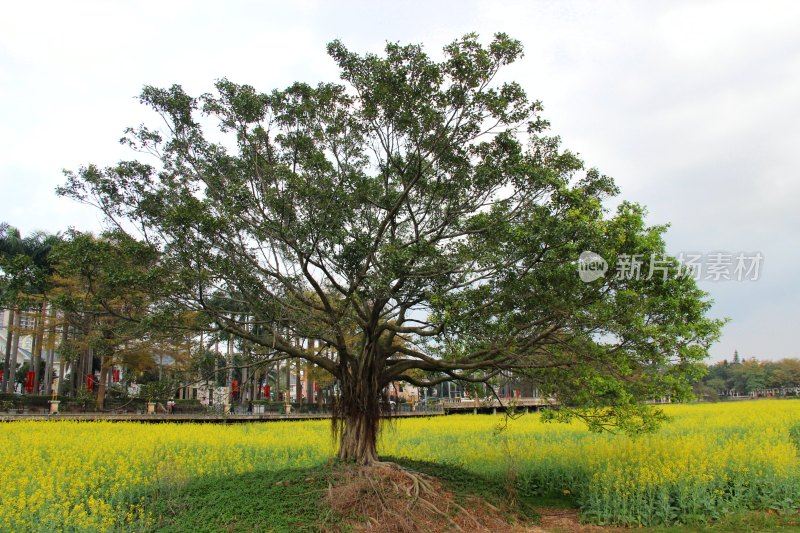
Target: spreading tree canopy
[414, 222]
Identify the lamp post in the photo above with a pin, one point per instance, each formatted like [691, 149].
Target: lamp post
[54, 399]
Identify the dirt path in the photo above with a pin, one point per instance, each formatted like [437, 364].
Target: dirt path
[560, 520]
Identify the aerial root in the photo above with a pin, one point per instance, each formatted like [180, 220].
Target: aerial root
[432, 507]
[387, 497]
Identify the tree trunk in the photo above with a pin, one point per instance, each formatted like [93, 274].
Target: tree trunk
[101, 386]
[48, 368]
[308, 384]
[34, 364]
[48, 371]
[357, 440]
[12, 367]
[76, 373]
[73, 370]
[298, 384]
[288, 397]
[38, 341]
[229, 371]
[243, 388]
[7, 359]
[80, 372]
[61, 369]
[357, 412]
[308, 387]
[90, 365]
[62, 361]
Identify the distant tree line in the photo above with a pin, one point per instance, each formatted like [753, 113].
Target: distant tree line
[80, 297]
[98, 314]
[750, 377]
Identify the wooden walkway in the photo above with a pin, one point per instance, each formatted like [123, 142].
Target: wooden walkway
[495, 406]
[189, 418]
[444, 407]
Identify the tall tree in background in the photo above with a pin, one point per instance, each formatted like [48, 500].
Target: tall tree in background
[10, 247]
[422, 201]
[25, 272]
[100, 289]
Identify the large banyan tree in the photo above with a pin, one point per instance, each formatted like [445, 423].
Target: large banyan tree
[414, 222]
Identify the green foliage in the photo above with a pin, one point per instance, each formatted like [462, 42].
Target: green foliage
[743, 377]
[279, 500]
[794, 431]
[25, 266]
[206, 364]
[157, 391]
[188, 403]
[117, 391]
[417, 222]
[106, 290]
[32, 401]
[22, 372]
[628, 417]
[124, 403]
[84, 398]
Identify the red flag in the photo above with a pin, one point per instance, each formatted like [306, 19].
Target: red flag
[115, 375]
[266, 391]
[29, 378]
[235, 385]
[90, 383]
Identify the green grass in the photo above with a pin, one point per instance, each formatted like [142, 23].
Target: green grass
[292, 500]
[740, 522]
[499, 492]
[282, 500]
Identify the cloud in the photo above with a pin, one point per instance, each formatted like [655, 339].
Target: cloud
[691, 106]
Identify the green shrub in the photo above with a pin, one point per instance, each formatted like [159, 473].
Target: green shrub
[34, 401]
[21, 401]
[188, 402]
[794, 431]
[128, 404]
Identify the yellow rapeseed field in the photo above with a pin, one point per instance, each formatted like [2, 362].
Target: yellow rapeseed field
[709, 460]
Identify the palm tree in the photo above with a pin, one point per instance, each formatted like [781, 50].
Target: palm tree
[26, 267]
[38, 247]
[10, 245]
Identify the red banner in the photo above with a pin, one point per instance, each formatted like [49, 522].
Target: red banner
[235, 385]
[115, 375]
[29, 378]
[266, 391]
[90, 383]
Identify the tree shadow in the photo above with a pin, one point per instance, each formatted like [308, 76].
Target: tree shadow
[293, 499]
[500, 491]
[264, 500]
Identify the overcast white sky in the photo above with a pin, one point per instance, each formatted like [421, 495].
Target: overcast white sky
[694, 107]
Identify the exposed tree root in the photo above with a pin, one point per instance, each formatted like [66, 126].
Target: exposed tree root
[388, 498]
